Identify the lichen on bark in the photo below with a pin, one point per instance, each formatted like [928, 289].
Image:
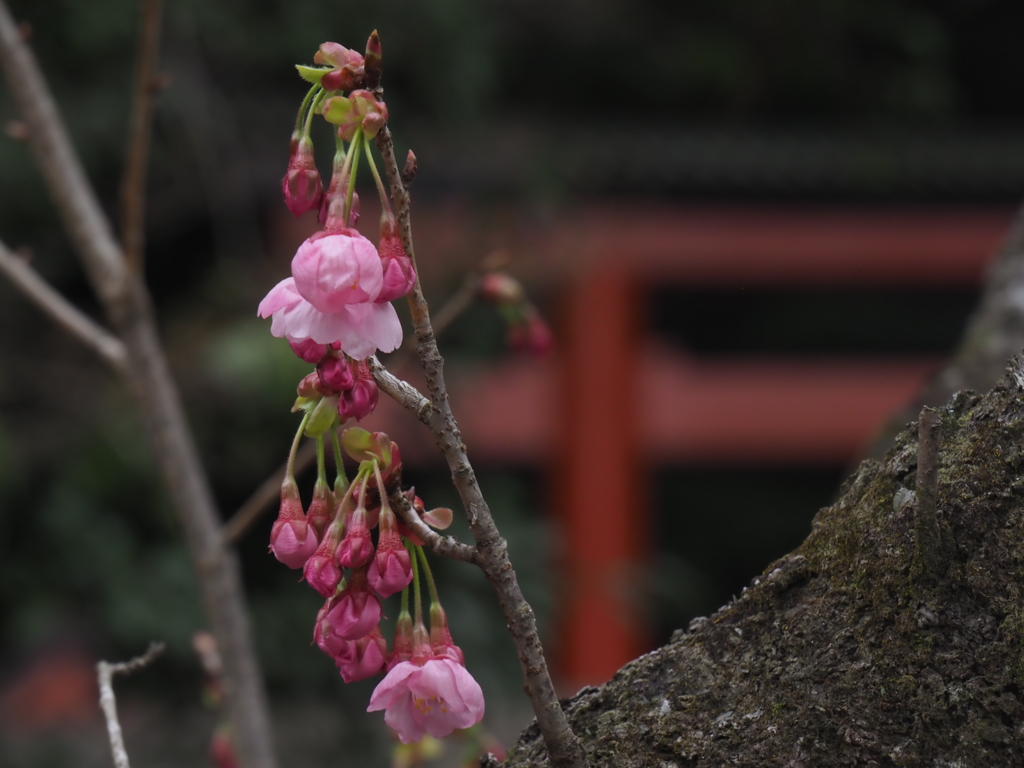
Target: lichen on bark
[847, 651]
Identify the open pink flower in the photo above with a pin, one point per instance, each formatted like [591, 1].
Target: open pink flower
[434, 698]
[333, 270]
[359, 329]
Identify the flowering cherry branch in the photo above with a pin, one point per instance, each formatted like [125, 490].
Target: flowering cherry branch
[335, 310]
[492, 550]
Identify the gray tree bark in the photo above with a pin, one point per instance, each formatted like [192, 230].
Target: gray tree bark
[893, 636]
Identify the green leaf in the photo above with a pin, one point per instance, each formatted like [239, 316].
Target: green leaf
[312, 74]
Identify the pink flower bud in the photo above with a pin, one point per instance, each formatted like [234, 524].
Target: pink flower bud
[322, 571]
[308, 350]
[348, 67]
[292, 540]
[356, 549]
[532, 335]
[359, 401]
[303, 190]
[354, 611]
[500, 288]
[362, 658]
[310, 387]
[321, 509]
[373, 61]
[399, 273]
[391, 568]
[335, 373]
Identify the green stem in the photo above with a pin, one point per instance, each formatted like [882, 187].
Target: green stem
[314, 107]
[430, 576]
[384, 200]
[321, 472]
[416, 587]
[290, 468]
[339, 464]
[305, 106]
[405, 601]
[350, 177]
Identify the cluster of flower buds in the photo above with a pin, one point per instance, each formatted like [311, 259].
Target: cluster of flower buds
[527, 330]
[341, 287]
[427, 689]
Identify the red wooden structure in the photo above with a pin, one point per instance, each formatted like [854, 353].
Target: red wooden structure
[612, 402]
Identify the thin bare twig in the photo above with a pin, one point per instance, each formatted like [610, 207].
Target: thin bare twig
[268, 491]
[564, 748]
[105, 672]
[133, 185]
[63, 312]
[128, 306]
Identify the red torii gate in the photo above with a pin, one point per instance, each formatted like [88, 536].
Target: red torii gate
[610, 403]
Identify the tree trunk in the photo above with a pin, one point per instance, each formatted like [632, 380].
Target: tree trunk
[893, 636]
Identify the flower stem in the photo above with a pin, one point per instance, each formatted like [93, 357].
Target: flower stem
[321, 472]
[290, 467]
[302, 119]
[385, 201]
[339, 464]
[430, 576]
[416, 585]
[350, 179]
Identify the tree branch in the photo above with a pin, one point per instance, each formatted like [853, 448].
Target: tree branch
[105, 672]
[133, 185]
[446, 546]
[564, 747]
[63, 312]
[127, 304]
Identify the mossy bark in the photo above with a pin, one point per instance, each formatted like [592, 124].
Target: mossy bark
[859, 648]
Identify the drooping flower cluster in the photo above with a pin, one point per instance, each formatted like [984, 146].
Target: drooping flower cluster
[427, 689]
[341, 287]
[335, 310]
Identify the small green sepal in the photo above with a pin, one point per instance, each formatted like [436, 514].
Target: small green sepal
[312, 74]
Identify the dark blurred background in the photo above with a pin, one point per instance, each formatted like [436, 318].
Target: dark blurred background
[528, 118]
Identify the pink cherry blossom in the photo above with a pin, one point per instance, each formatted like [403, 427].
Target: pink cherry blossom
[303, 190]
[357, 547]
[360, 329]
[322, 571]
[436, 698]
[353, 612]
[292, 539]
[391, 568]
[333, 270]
[362, 658]
[399, 273]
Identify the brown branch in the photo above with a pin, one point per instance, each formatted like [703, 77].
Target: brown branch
[564, 747]
[63, 312]
[268, 491]
[105, 672]
[128, 306]
[446, 546]
[133, 185]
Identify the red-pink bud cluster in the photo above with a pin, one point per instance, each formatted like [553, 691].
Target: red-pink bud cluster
[526, 329]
